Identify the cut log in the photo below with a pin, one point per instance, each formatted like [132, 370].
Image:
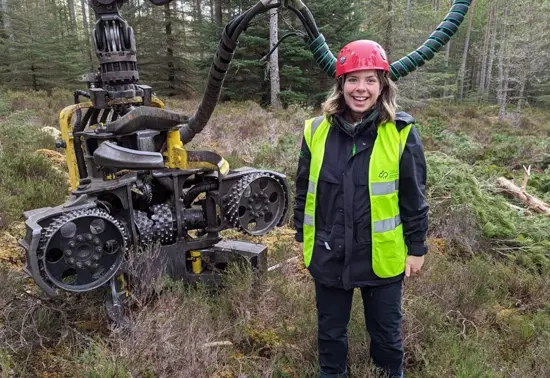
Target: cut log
[217, 343]
[277, 266]
[530, 201]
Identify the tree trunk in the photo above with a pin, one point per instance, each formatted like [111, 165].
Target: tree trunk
[274, 60]
[218, 12]
[6, 20]
[531, 202]
[34, 78]
[72, 16]
[462, 72]
[485, 51]
[502, 72]
[408, 13]
[169, 50]
[389, 29]
[523, 80]
[62, 20]
[489, 74]
[447, 56]
[199, 21]
[86, 27]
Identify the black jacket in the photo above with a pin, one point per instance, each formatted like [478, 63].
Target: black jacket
[343, 246]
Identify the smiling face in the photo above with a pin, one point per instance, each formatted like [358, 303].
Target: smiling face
[361, 90]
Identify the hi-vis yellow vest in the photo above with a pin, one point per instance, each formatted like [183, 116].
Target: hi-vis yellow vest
[388, 243]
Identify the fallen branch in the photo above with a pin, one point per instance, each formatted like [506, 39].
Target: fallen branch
[277, 266]
[520, 193]
[217, 343]
[526, 176]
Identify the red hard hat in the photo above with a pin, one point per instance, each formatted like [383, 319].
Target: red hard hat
[361, 55]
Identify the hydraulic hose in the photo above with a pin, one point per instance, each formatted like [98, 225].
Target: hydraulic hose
[324, 58]
[219, 68]
[196, 190]
[439, 38]
[401, 68]
[76, 96]
[78, 127]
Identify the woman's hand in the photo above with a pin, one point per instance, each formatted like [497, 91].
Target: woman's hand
[413, 264]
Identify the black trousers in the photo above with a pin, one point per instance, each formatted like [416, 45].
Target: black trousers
[382, 306]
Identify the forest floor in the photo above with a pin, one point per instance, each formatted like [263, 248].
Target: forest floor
[480, 308]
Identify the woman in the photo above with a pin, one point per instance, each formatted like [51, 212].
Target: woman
[361, 211]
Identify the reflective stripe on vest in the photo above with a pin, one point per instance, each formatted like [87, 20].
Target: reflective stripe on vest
[388, 243]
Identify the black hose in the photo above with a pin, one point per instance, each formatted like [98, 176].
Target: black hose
[78, 127]
[297, 33]
[76, 95]
[310, 21]
[216, 76]
[218, 71]
[321, 52]
[79, 92]
[195, 191]
[301, 17]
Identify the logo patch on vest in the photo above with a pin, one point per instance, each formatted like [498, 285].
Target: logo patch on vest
[391, 175]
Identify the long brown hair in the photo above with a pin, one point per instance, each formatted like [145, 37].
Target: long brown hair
[387, 104]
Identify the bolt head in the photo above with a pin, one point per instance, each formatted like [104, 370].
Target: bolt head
[98, 249]
[79, 238]
[72, 244]
[71, 261]
[89, 237]
[96, 257]
[88, 263]
[79, 265]
[97, 241]
[68, 252]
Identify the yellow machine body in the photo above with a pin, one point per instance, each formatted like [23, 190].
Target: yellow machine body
[196, 261]
[176, 155]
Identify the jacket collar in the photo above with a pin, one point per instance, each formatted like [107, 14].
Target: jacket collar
[370, 119]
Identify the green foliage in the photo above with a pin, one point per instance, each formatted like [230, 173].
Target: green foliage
[6, 363]
[41, 54]
[97, 362]
[281, 157]
[301, 81]
[4, 106]
[458, 144]
[516, 150]
[455, 194]
[27, 180]
[163, 58]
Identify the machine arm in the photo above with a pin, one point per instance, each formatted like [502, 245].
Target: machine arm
[318, 46]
